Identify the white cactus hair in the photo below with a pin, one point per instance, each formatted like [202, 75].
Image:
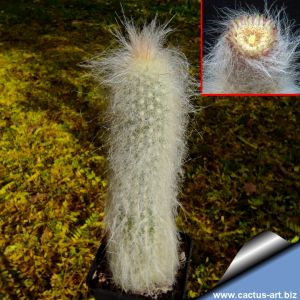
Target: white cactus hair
[150, 88]
[277, 72]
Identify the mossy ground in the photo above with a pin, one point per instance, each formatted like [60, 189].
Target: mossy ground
[242, 173]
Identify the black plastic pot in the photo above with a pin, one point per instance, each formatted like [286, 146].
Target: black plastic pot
[104, 293]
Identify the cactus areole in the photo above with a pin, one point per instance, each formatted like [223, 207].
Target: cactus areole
[148, 105]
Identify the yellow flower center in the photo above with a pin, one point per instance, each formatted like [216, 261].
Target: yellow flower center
[252, 36]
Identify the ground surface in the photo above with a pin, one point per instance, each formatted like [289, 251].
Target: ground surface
[242, 173]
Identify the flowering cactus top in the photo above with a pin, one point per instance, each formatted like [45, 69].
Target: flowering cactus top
[252, 35]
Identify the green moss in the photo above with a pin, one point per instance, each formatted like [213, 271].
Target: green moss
[53, 164]
[242, 179]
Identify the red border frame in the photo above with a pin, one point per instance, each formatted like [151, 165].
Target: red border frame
[201, 68]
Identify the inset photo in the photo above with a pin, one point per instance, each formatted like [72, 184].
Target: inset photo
[250, 48]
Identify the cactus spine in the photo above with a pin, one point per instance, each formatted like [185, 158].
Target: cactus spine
[256, 53]
[148, 108]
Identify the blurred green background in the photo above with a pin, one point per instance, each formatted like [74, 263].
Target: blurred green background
[241, 176]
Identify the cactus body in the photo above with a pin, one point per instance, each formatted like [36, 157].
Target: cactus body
[148, 109]
[256, 53]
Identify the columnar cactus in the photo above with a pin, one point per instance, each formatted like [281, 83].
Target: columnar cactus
[256, 53]
[148, 111]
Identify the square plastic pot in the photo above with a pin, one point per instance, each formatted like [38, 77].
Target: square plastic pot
[107, 294]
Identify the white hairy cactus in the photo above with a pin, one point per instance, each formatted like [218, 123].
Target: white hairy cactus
[255, 53]
[148, 109]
